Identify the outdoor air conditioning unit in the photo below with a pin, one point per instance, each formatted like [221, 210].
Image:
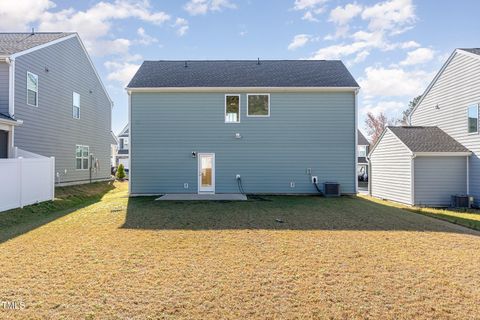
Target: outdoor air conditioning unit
[461, 201]
[331, 189]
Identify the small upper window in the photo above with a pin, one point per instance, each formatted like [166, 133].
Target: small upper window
[76, 105]
[82, 157]
[32, 89]
[258, 105]
[473, 119]
[232, 108]
[362, 151]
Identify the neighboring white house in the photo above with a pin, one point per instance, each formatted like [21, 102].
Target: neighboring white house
[123, 148]
[452, 102]
[420, 166]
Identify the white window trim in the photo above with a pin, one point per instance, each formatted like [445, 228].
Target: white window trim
[73, 105]
[82, 157]
[259, 94]
[468, 117]
[239, 107]
[33, 105]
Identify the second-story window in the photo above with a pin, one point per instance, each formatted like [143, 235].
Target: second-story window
[232, 108]
[76, 105]
[32, 89]
[258, 105]
[122, 145]
[473, 119]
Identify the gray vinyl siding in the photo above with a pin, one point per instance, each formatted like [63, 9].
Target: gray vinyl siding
[4, 87]
[456, 88]
[50, 129]
[438, 178]
[390, 173]
[304, 130]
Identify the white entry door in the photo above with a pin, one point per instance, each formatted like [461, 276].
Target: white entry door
[206, 173]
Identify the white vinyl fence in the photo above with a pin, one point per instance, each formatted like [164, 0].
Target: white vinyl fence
[25, 181]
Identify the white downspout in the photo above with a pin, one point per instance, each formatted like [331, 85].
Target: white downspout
[468, 175]
[356, 142]
[412, 179]
[130, 142]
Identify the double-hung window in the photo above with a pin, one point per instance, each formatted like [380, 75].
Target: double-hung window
[473, 118]
[258, 105]
[76, 105]
[362, 151]
[82, 157]
[232, 108]
[32, 89]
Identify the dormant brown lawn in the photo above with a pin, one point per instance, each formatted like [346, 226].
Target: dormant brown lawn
[120, 258]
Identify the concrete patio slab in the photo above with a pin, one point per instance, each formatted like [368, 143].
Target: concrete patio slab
[203, 197]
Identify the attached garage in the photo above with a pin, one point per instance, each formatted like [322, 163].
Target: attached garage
[421, 166]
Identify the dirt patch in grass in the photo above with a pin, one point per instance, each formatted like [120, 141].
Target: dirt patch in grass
[342, 258]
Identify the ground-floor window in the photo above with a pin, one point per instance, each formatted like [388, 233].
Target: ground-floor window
[82, 157]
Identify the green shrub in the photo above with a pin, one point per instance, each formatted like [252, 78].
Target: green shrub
[121, 172]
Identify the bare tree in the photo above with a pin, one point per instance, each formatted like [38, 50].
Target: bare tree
[376, 124]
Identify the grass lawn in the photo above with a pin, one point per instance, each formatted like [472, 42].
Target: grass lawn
[469, 218]
[120, 258]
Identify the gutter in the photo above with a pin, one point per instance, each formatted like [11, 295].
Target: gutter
[243, 89]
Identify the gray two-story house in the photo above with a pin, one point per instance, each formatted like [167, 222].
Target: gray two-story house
[266, 127]
[53, 103]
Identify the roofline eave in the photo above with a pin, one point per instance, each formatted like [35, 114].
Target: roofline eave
[243, 89]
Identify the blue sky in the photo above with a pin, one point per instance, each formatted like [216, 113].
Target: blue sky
[393, 47]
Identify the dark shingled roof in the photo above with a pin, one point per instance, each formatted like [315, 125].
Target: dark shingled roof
[362, 141]
[472, 50]
[11, 43]
[427, 139]
[243, 73]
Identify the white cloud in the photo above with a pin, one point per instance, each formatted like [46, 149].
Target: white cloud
[121, 72]
[418, 56]
[409, 45]
[19, 15]
[145, 39]
[299, 41]
[308, 16]
[312, 8]
[393, 82]
[182, 25]
[342, 15]
[390, 15]
[308, 4]
[384, 19]
[198, 7]
[93, 24]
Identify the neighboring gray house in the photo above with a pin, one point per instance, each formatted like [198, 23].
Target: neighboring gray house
[420, 166]
[452, 103]
[122, 156]
[363, 147]
[53, 103]
[198, 126]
